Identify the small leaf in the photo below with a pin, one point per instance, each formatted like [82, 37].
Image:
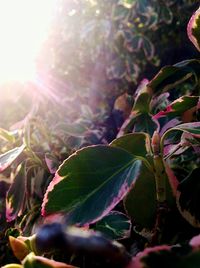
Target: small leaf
[52, 163]
[142, 99]
[76, 129]
[166, 14]
[192, 128]
[178, 107]
[115, 225]
[120, 12]
[7, 158]
[32, 261]
[100, 175]
[7, 135]
[188, 198]
[148, 48]
[193, 29]
[171, 76]
[19, 248]
[134, 44]
[137, 144]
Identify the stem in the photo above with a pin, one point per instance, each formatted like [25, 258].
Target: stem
[160, 178]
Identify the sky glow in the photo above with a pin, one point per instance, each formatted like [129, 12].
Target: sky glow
[24, 26]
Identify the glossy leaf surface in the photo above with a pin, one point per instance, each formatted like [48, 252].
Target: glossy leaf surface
[90, 183]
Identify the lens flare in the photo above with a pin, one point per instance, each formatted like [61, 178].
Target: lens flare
[24, 25]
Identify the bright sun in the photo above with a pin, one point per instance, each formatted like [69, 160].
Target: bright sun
[23, 27]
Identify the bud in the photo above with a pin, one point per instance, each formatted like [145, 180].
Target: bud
[18, 247]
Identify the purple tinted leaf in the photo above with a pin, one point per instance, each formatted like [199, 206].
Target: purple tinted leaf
[15, 198]
[52, 163]
[7, 158]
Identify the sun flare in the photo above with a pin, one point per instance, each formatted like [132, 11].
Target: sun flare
[24, 26]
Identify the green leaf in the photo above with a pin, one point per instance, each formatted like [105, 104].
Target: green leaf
[143, 98]
[193, 29]
[138, 144]
[7, 158]
[188, 198]
[140, 203]
[14, 198]
[145, 123]
[115, 225]
[171, 76]
[90, 183]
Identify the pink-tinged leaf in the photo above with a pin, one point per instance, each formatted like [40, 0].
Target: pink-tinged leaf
[14, 198]
[193, 29]
[178, 107]
[7, 158]
[89, 184]
[191, 128]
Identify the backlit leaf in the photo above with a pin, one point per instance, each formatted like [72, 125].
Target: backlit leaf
[7, 158]
[90, 183]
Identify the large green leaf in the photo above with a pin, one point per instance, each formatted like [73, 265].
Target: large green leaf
[7, 158]
[90, 183]
[193, 29]
[115, 225]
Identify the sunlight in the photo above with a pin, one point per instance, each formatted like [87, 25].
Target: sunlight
[23, 27]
